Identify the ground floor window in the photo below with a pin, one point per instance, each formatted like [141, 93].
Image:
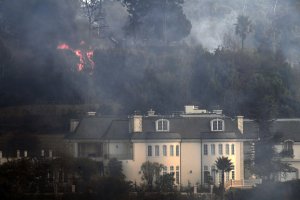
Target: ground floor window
[177, 175]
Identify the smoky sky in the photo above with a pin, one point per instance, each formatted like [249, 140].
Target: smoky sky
[211, 20]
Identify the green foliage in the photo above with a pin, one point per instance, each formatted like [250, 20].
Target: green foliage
[86, 168]
[150, 173]
[160, 20]
[223, 164]
[268, 164]
[115, 169]
[165, 183]
[243, 27]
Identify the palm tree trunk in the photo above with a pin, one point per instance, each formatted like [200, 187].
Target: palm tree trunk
[223, 185]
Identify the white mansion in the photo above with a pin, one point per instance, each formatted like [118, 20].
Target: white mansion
[186, 143]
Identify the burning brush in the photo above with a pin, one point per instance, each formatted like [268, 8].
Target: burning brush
[85, 56]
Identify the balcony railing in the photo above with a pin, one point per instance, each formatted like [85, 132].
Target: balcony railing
[249, 183]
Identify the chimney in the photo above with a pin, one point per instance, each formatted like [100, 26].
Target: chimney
[73, 124]
[240, 123]
[136, 123]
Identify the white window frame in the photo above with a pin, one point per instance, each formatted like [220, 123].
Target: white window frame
[218, 128]
[288, 145]
[162, 129]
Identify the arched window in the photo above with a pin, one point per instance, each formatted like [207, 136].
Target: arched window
[288, 150]
[162, 125]
[217, 125]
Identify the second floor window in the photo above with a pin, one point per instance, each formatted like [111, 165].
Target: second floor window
[164, 150]
[212, 149]
[232, 149]
[288, 150]
[162, 125]
[220, 149]
[149, 150]
[177, 150]
[227, 149]
[156, 150]
[172, 150]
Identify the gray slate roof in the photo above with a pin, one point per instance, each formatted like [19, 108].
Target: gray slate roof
[114, 128]
[286, 128]
[92, 128]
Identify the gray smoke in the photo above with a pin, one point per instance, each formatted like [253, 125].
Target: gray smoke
[212, 20]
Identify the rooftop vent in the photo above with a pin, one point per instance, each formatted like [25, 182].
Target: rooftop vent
[151, 112]
[191, 109]
[91, 113]
[218, 112]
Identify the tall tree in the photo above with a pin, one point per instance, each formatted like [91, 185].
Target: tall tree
[93, 10]
[225, 165]
[161, 20]
[150, 173]
[243, 27]
[115, 169]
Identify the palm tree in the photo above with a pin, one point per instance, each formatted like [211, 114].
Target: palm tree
[224, 164]
[243, 27]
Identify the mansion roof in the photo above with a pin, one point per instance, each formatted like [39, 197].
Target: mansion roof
[181, 128]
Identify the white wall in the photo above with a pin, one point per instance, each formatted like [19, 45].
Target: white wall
[119, 150]
[190, 163]
[131, 168]
[237, 159]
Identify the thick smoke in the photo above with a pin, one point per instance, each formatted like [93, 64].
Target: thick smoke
[212, 20]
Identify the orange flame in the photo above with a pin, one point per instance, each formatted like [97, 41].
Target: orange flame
[84, 56]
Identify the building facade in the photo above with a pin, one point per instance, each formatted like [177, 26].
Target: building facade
[187, 144]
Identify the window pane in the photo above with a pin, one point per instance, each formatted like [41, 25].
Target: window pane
[171, 150]
[165, 169]
[227, 149]
[212, 149]
[172, 170]
[232, 149]
[220, 149]
[165, 125]
[205, 149]
[156, 150]
[177, 177]
[149, 150]
[177, 150]
[232, 175]
[220, 125]
[215, 125]
[159, 125]
[165, 150]
[227, 176]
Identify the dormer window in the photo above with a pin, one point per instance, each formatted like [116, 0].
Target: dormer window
[217, 125]
[162, 125]
[288, 150]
